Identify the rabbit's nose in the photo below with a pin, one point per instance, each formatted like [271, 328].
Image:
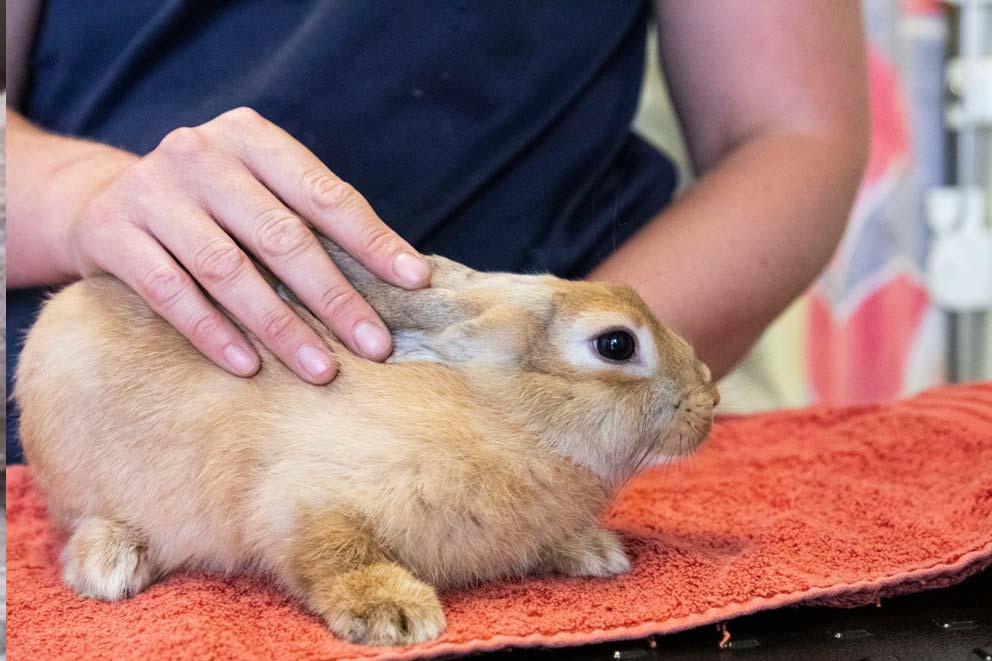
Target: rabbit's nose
[715, 393]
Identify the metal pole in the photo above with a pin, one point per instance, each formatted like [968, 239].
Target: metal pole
[968, 331]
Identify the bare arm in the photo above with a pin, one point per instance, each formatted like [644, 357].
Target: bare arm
[176, 223]
[772, 97]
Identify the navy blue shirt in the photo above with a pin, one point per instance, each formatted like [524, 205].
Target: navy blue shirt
[494, 133]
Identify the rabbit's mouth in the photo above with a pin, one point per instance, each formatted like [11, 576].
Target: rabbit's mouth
[692, 421]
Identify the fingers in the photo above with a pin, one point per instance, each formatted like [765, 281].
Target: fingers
[242, 174]
[224, 270]
[333, 206]
[148, 269]
[287, 246]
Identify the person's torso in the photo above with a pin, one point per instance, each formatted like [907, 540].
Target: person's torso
[496, 133]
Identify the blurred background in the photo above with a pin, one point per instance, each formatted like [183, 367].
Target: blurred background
[903, 304]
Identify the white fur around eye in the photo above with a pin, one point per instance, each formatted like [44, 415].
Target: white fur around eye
[580, 350]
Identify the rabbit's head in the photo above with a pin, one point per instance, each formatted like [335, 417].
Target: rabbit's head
[585, 365]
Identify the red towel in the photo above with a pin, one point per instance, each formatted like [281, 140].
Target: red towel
[837, 506]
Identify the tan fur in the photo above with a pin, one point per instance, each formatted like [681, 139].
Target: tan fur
[105, 560]
[380, 604]
[486, 447]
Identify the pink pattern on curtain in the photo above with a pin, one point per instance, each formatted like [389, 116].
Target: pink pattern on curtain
[867, 314]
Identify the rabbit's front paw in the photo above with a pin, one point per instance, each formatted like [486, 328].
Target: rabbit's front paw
[106, 560]
[595, 552]
[383, 604]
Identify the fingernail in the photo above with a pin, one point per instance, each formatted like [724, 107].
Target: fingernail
[239, 359]
[411, 269]
[316, 362]
[372, 339]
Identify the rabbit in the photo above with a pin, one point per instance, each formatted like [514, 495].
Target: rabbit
[512, 409]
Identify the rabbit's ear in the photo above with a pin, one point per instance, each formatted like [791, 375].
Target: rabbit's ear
[445, 322]
[431, 309]
[492, 337]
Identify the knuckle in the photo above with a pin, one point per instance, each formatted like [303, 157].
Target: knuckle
[244, 124]
[327, 191]
[204, 329]
[218, 262]
[184, 143]
[243, 128]
[277, 326]
[336, 299]
[376, 239]
[164, 286]
[279, 234]
[243, 116]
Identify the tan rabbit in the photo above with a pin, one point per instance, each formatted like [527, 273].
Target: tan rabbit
[511, 410]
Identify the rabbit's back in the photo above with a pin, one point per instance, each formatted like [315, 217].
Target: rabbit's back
[122, 418]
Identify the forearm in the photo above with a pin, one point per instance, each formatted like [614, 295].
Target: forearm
[49, 179]
[747, 238]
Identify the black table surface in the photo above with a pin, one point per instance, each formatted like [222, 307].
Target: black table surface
[940, 625]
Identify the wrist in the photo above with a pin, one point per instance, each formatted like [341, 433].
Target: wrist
[74, 184]
[50, 180]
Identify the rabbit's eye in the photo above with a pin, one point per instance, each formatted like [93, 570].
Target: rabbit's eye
[615, 345]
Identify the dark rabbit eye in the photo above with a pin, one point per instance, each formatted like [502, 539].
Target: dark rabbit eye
[615, 345]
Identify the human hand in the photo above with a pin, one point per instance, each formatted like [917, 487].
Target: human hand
[174, 219]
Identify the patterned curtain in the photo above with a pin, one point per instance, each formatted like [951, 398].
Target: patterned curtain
[872, 332]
